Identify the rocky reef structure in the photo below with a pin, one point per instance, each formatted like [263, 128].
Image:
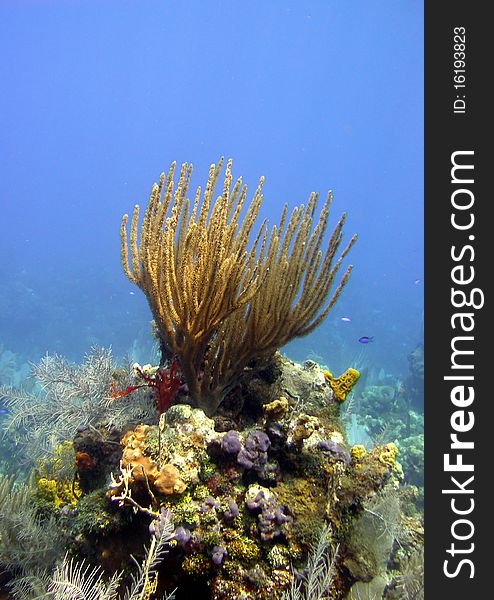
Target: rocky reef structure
[245, 494]
[242, 502]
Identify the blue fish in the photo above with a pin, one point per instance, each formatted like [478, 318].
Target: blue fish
[366, 339]
[346, 319]
[3, 411]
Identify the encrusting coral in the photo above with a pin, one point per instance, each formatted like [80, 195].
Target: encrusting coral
[248, 501]
[218, 302]
[343, 384]
[244, 502]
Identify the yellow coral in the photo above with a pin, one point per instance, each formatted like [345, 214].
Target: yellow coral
[57, 492]
[55, 476]
[144, 467]
[388, 455]
[183, 508]
[243, 548]
[168, 481]
[277, 409]
[196, 564]
[61, 461]
[68, 493]
[47, 489]
[343, 384]
[201, 492]
[358, 452]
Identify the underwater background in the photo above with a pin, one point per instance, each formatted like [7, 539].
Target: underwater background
[99, 97]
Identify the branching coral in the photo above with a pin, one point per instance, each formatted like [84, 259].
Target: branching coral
[217, 301]
[194, 271]
[66, 398]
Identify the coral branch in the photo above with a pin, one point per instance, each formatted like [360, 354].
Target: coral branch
[219, 301]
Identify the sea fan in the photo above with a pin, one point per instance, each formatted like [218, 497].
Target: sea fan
[30, 547]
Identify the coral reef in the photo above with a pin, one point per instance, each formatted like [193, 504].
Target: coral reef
[245, 494]
[55, 477]
[168, 457]
[244, 502]
[225, 471]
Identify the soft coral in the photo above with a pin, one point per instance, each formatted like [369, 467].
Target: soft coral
[166, 382]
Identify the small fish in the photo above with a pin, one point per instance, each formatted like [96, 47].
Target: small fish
[132, 293]
[346, 319]
[366, 339]
[417, 281]
[3, 411]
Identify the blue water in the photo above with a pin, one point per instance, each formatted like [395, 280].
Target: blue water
[98, 97]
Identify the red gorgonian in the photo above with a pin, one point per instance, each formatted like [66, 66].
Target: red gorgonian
[166, 382]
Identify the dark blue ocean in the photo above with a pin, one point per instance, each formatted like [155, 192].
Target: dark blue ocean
[99, 96]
